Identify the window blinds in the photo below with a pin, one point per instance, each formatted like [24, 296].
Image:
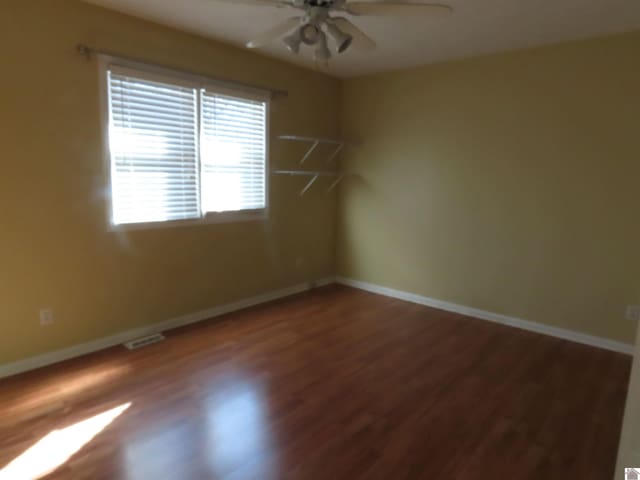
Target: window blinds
[153, 140]
[179, 151]
[233, 153]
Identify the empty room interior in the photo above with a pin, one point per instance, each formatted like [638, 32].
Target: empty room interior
[319, 239]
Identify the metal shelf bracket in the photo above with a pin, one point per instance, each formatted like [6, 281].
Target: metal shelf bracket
[312, 148]
[314, 174]
[315, 142]
[308, 185]
[335, 183]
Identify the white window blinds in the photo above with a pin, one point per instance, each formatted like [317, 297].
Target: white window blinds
[233, 153]
[179, 151]
[153, 140]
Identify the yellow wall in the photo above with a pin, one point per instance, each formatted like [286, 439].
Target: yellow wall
[55, 250]
[508, 183]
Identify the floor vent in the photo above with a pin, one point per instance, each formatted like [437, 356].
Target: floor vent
[144, 341]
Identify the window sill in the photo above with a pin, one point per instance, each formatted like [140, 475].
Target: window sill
[209, 218]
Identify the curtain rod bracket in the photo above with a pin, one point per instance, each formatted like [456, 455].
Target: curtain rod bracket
[84, 51]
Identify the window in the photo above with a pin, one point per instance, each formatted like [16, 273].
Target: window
[182, 150]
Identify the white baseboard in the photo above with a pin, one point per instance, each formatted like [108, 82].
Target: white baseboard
[570, 335]
[119, 338]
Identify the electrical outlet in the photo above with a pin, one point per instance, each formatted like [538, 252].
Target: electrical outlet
[633, 312]
[46, 317]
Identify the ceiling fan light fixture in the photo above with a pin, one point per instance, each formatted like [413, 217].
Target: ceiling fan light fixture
[322, 52]
[310, 34]
[293, 41]
[343, 40]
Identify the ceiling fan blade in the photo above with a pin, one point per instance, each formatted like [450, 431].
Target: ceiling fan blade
[397, 9]
[274, 33]
[361, 41]
[260, 3]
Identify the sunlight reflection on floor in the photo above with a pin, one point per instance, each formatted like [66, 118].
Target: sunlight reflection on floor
[55, 448]
[60, 388]
[237, 427]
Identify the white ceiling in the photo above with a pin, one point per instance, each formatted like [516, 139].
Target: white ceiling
[476, 27]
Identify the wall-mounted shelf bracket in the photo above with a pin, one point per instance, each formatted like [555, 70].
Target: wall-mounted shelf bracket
[312, 148]
[314, 174]
[335, 152]
[335, 183]
[315, 142]
[308, 185]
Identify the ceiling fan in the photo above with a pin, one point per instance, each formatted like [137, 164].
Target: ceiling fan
[315, 22]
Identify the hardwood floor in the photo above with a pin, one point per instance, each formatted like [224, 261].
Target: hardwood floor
[331, 384]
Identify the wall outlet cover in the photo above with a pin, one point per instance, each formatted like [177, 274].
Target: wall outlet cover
[46, 316]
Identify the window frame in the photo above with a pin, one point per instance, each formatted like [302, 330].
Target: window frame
[198, 82]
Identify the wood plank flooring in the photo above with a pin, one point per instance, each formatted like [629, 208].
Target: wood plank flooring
[332, 384]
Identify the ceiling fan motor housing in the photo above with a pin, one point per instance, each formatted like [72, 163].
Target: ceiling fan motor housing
[316, 3]
[315, 26]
